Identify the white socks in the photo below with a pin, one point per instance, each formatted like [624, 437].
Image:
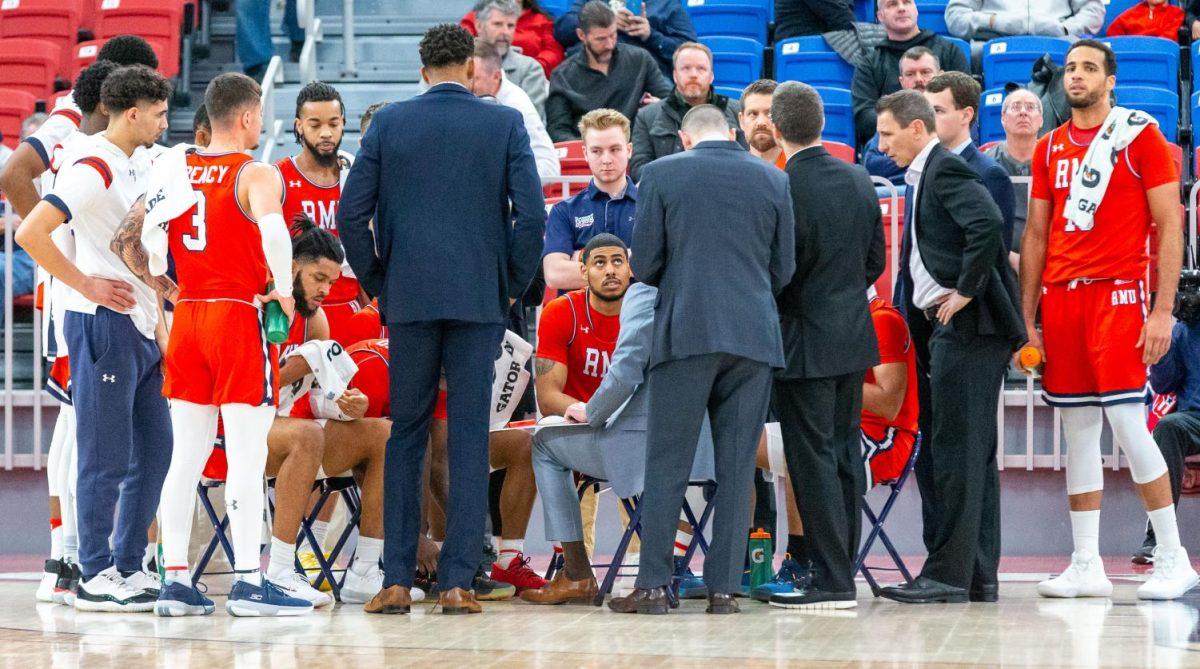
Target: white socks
[683, 539]
[1166, 530]
[510, 549]
[366, 555]
[71, 547]
[56, 543]
[183, 576]
[283, 559]
[1085, 530]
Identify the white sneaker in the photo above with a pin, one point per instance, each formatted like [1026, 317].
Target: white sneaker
[360, 588]
[144, 581]
[1172, 576]
[296, 585]
[45, 590]
[107, 591]
[1084, 578]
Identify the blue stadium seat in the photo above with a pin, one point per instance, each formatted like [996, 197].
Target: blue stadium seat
[839, 115]
[737, 61]
[1146, 61]
[931, 15]
[1008, 59]
[962, 46]
[990, 105]
[809, 59]
[731, 92]
[731, 18]
[1113, 9]
[864, 10]
[556, 8]
[1162, 105]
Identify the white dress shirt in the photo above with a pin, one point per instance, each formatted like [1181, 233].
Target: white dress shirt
[926, 291]
[511, 95]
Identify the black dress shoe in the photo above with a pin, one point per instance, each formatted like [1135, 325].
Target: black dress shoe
[987, 592]
[925, 590]
[812, 599]
[722, 603]
[651, 601]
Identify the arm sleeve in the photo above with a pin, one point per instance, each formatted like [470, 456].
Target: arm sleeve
[953, 58]
[550, 53]
[783, 246]
[60, 124]
[668, 32]
[357, 207]
[559, 238]
[833, 14]
[630, 356]
[277, 247]
[648, 253]
[877, 253]
[77, 185]
[972, 209]
[892, 333]
[1039, 171]
[656, 83]
[1167, 375]
[643, 150]
[559, 123]
[1087, 19]
[529, 211]
[864, 93]
[963, 18]
[1151, 158]
[536, 86]
[1118, 27]
[554, 331]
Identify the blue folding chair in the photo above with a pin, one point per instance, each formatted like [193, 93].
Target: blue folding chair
[1008, 59]
[809, 59]
[347, 488]
[220, 525]
[991, 105]
[737, 61]
[1113, 10]
[731, 18]
[931, 15]
[1146, 61]
[878, 533]
[1162, 105]
[839, 115]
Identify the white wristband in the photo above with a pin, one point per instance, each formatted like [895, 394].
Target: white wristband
[277, 247]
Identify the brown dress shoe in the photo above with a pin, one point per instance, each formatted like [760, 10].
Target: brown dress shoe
[720, 603]
[396, 599]
[652, 601]
[562, 590]
[457, 601]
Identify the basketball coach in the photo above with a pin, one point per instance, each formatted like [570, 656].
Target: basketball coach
[714, 233]
[438, 173]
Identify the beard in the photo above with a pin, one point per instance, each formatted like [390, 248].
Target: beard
[1089, 99]
[323, 159]
[303, 307]
[762, 141]
[616, 297]
[598, 57]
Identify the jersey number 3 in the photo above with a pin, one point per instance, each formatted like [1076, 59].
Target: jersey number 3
[199, 240]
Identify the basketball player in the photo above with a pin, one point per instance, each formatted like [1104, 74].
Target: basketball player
[313, 182]
[111, 322]
[226, 249]
[1083, 256]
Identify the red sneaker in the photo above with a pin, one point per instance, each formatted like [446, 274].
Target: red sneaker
[518, 574]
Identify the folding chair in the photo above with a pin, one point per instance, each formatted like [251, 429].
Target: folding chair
[220, 526]
[347, 488]
[877, 531]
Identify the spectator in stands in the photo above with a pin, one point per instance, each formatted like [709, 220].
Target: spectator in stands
[955, 100]
[796, 18]
[656, 129]
[657, 26]
[917, 66]
[980, 20]
[1150, 18]
[1192, 18]
[534, 36]
[607, 205]
[497, 23]
[490, 81]
[878, 73]
[22, 264]
[1021, 116]
[603, 74]
[364, 121]
[201, 127]
[253, 38]
[755, 122]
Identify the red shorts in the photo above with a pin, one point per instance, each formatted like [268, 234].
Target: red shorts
[59, 383]
[218, 354]
[886, 454]
[339, 315]
[1090, 330]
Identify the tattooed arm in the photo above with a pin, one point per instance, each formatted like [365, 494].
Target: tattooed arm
[549, 383]
[127, 244]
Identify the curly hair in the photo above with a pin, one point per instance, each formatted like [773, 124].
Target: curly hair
[89, 82]
[200, 119]
[318, 91]
[129, 50]
[129, 85]
[446, 44]
[310, 243]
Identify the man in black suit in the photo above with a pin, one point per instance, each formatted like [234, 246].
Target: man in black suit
[713, 207]
[957, 279]
[828, 343]
[438, 173]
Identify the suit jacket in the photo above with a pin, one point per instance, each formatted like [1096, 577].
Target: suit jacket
[959, 231]
[998, 184]
[438, 172]
[823, 312]
[714, 233]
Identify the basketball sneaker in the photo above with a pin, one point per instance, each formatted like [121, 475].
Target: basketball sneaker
[294, 584]
[249, 600]
[518, 574]
[50, 573]
[144, 581]
[488, 590]
[1173, 575]
[790, 578]
[107, 591]
[1084, 578]
[690, 586]
[68, 582]
[181, 599]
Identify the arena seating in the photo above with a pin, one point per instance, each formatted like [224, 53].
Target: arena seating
[737, 61]
[1008, 59]
[839, 115]
[29, 65]
[931, 15]
[158, 21]
[990, 106]
[15, 107]
[1146, 61]
[809, 59]
[731, 18]
[84, 54]
[55, 21]
[1162, 105]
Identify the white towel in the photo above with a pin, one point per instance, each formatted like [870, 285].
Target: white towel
[332, 370]
[1090, 181]
[169, 195]
[511, 378]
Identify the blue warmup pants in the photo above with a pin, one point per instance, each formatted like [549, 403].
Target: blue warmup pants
[123, 430]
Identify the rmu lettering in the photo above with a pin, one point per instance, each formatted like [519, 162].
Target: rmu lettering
[322, 212]
[595, 363]
[1063, 171]
[1125, 296]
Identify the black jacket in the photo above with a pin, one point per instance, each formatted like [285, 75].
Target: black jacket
[960, 234]
[823, 311]
[796, 18]
[656, 129]
[879, 74]
[576, 89]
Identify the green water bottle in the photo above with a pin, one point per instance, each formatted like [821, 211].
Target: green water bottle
[761, 569]
[162, 568]
[276, 321]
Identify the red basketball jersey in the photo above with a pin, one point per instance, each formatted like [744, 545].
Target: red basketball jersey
[363, 325]
[895, 345]
[1115, 246]
[572, 333]
[320, 203]
[216, 245]
[372, 359]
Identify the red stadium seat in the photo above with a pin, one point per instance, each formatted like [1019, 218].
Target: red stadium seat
[573, 164]
[29, 65]
[840, 151]
[55, 21]
[158, 21]
[884, 283]
[15, 107]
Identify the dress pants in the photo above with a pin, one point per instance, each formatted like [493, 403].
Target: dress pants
[735, 391]
[921, 329]
[822, 443]
[967, 371]
[1178, 436]
[557, 454]
[467, 353]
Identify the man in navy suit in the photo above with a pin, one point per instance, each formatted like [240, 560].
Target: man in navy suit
[458, 221]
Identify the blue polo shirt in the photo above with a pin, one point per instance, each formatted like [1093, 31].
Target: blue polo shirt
[574, 221]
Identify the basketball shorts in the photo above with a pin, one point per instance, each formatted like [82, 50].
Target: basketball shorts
[1090, 329]
[886, 455]
[59, 382]
[339, 315]
[219, 354]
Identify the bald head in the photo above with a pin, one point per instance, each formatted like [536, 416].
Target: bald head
[703, 123]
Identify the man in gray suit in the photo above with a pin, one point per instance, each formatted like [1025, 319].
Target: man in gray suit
[715, 341]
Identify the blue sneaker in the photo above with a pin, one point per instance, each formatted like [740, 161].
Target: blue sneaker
[690, 586]
[180, 599]
[745, 591]
[790, 578]
[247, 599]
